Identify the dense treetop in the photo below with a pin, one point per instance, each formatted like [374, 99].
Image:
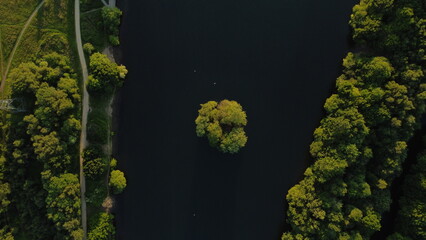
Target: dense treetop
[42, 145]
[103, 227]
[63, 205]
[105, 75]
[117, 181]
[223, 124]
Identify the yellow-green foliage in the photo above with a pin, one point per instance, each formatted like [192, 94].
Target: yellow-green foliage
[53, 15]
[223, 124]
[16, 11]
[9, 34]
[47, 32]
[117, 181]
[27, 47]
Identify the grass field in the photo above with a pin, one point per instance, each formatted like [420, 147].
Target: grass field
[16, 11]
[93, 29]
[52, 29]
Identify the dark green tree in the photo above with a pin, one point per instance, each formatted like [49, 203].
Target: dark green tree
[411, 221]
[111, 17]
[94, 162]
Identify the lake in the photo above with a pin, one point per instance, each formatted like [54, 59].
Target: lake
[278, 58]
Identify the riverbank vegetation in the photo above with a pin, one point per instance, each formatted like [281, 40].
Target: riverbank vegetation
[411, 220]
[99, 167]
[100, 24]
[223, 124]
[105, 77]
[111, 17]
[361, 142]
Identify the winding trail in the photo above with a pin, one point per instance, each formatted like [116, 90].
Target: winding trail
[18, 41]
[85, 111]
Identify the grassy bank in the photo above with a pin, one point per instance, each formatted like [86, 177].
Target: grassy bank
[99, 166]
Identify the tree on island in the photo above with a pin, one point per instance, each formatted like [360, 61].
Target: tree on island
[223, 125]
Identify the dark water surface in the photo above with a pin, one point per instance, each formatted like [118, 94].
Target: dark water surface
[278, 58]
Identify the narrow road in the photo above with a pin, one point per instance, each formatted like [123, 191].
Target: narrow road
[85, 111]
[18, 41]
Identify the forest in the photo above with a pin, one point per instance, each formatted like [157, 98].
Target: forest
[40, 190]
[361, 143]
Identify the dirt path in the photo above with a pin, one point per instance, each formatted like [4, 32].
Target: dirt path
[108, 148]
[85, 111]
[18, 41]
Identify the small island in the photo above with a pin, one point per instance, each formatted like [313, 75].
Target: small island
[223, 124]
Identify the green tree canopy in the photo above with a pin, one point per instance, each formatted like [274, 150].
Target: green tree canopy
[223, 125]
[103, 228]
[63, 204]
[94, 163]
[117, 181]
[111, 17]
[105, 74]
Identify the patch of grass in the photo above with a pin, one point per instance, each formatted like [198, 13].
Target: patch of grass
[91, 4]
[28, 46]
[93, 30]
[96, 192]
[16, 11]
[9, 34]
[98, 126]
[53, 15]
